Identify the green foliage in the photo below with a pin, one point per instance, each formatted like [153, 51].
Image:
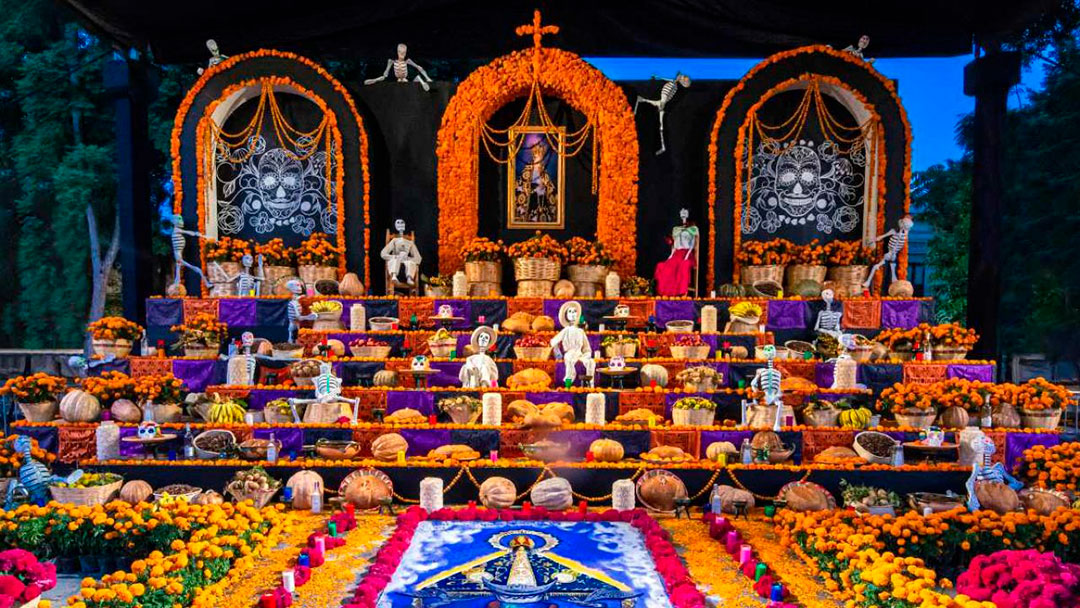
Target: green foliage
[942, 195]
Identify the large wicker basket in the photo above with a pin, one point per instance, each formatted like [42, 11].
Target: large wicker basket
[797, 273]
[753, 274]
[587, 273]
[276, 278]
[203, 352]
[311, 274]
[916, 418]
[370, 352]
[44, 411]
[625, 350]
[484, 272]
[484, 289]
[116, 348]
[532, 353]
[86, 497]
[328, 321]
[1040, 419]
[219, 274]
[534, 289]
[848, 275]
[688, 417]
[690, 352]
[536, 269]
[442, 348]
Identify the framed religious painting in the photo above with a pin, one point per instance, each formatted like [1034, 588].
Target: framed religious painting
[535, 175]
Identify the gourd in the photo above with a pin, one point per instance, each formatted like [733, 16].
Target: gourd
[766, 440]
[659, 490]
[564, 289]
[728, 496]
[303, 483]
[650, 372]
[1042, 501]
[350, 285]
[124, 410]
[606, 450]
[209, 497]
[954, 417]
[719, 447]
[1005, 416]
[731, 290]
[543, 323]
[80, 406]
[497, 493]
[806, 497]
[135, 491]
[385, 377]
[386, 447]
[554, 494]
[996, 496]
[520, 409]
[367, 492]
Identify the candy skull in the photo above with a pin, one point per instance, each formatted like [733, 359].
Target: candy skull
[798, 179]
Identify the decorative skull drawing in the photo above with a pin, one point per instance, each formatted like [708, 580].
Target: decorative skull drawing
[798, 180]
[280, 181]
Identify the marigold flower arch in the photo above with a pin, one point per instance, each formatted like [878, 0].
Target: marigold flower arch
[564, 75]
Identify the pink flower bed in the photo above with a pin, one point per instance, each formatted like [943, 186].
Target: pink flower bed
[23, 577]
[1021, 579]
[680, 588]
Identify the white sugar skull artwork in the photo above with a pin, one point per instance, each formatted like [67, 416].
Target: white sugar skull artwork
[419, 362]
[617, 363]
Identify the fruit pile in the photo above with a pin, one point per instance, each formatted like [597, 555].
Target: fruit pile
[226, 410]
[855, 418]
[92, 480]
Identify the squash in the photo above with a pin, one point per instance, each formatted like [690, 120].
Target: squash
[901, 289]
[531, 377]
[135, 491]
[385, 377]
[806, 497]
[367, 492]
[387, 446]
[720, 447]
[563, 289]
[350, 285]
[124, 410]
[731, 290]
[1005, 416]
[264, 347]
[553, 494]
[543, 323]
[80, 406]
[497, 493]
[954, 417]
[303, 483]
[520, 322]
[209, 497]
[728, 496]
[652, 371]
[740, 352]
[1043, 502]
[658, 489]
[766, 440]
[996, 496]
[667, 452]
[606, 450]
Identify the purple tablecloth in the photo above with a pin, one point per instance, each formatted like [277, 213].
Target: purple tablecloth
[237, 312]
[735, 437]
[979, 371]
[823, 374]
[579, 441]
[787, 314]
[1016, 443]
[421, 401]
[422, 441]
[541, 398]
[292, 439]
[197, 374]
[899, 313]
[674, 310]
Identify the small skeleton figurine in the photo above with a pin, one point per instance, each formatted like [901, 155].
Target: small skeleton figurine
[982, 471]
[295, 311]
[859, 47]
[177, 236]
[767, 380]
[327, 390]
[215, 55]
[897, 240]
[34, 477]
[667, 93]
[399, 252]
[400, 66]
[828, 320]
[572, 342]
[246, 283]
[480, 369]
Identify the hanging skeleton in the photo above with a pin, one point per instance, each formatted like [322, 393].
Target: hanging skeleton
[858, 48]
[667, 93]
[177, 236]
[400, 68]
[295, 311]
[897, 239]
[215, 56]
[246, 283]
[983, 471]
[768, 380]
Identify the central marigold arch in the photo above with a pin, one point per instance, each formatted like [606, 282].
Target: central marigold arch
[586, 89]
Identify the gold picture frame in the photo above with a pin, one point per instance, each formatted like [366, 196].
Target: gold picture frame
[529, 202]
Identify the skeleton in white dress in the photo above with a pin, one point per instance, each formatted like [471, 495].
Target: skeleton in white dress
[573, 343]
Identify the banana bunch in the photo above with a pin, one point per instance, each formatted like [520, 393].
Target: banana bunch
[745, 310]
[225, 410]
[326, 306]
[855, 418]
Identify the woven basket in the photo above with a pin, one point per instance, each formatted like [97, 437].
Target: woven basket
[484, 289]
[430, 291]
[625, 350]
[1040, 419]
[949, 353]
[272, 415]
[916, 419]
[43, 411]
[819, 418]
[370, 352]
[587, 273]
[442, 348]
[588, 290]
[690, 352]
[218, 274]
[848, 275]
[534, 289]
[259, 497]
[532, 353]
[536, 269]
[86, 497]
[797, 273]
[116, 348]
[327, 321]
[685, 417]
[484, 272]
[753, 274]
[310, 274]
[276, 278]
[203, 352]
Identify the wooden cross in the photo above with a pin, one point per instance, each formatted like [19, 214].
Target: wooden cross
[536, 29]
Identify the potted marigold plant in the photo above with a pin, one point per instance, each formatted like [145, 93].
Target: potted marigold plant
[279, 265]
[223, 261]
[165, 391]
[114, 336]
[763, 260]
[950, 341]
[807, 264]
[693, 411]
[202, 336]
[537, 264]
[317, 259]
[1041, 403]
[35, 395]
[483, 264]
[588, 265]
[636, 287]
[900, 342]
[849, 263]
[913, 405]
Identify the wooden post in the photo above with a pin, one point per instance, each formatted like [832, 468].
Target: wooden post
[988, 79]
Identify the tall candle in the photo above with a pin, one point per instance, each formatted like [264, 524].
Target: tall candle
[745, 553]
[731, 541]
[357, 317]
[267, 600]
[595, 408]
[708, 319]
[288, 580]
[777, 594]
[492, 409]
[622, 495]
[760, 571]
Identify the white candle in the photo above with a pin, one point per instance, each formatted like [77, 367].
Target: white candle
[431, 493]
[595, 408]
[492, 409]
[288, 580]
[622, 495]
[357, 317]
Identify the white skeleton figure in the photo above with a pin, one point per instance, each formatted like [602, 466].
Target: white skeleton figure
[479, 369]
[683, 236]
[327, 390]
[246, 283]
[401, 251]
[400, 67]
[667, 93]
[178, 237]
[767, 380]
[982, 471]
[295, 311]
[897, 239]
[215, 55]
[572, 343]
[828, 320]
[859, 48]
